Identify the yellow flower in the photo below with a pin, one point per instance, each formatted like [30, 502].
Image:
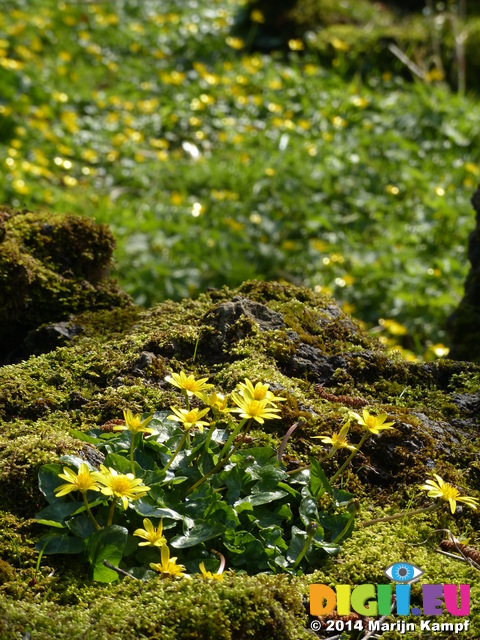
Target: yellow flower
[441, 489]
[374, 424]
[154, 537]
[338, 440]
[256, 409]
[257, 16]
[134, 423]
[188, 383]
[208, 575]
[190, 419]
[124, 486]
[216, 401]
[168, 566]
[83, 481]
[258, 392]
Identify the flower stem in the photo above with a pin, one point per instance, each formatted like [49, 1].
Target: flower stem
[187, 405]
[90, 514]
[347, 461]
[344, 530]
[232, 437]
[111, 512]
[132, 446]
[397, 516]
[175, 453]
[206, 443]
[311, 531]
[221, 463]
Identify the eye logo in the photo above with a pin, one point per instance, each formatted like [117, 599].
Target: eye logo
[403, 572]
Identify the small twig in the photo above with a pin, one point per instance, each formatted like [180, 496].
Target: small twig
[287, 436]
[417, 544]
[397, 516]
[120, 572]
[414, 68]
[452, 555]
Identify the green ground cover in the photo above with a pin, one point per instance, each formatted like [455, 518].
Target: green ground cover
[213, 165]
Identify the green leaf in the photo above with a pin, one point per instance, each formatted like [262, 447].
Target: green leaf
[335, 523]
[52, 543]
[48, 480]
[147, 508]
[296, 544]
[107, 544]
[341, 497]
[201, 532]
[318, 479]
[262, 498]
[269, 478]
[118, 462]
[51, 523]
[272, 538]
[81, 526]
[165, 430]
[75, 462]
[84, 437]
[60, 511]
[308, 510]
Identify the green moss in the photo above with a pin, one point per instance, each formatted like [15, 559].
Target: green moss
[51, 266]
[120, 361]
[239, 608]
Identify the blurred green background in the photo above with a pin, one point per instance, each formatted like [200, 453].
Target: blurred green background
[332, 144]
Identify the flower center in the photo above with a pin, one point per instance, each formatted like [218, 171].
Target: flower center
[254, 408]
[371, 422]
[84, 481]
[121, 485]
[190, 384]
[449, 492]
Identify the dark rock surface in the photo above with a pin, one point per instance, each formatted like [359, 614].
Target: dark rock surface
[464, 324]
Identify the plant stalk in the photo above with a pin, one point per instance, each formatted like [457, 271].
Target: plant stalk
[90, 514]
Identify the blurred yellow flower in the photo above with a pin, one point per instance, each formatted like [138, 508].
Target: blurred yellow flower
[259, 410]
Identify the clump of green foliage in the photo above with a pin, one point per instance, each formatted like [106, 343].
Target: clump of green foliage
[212, 496]
[215, 168]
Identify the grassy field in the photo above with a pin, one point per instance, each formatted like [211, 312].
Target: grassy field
[213, 165]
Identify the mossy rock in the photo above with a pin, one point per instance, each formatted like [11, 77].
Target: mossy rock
[51, 266]
[325, 364]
